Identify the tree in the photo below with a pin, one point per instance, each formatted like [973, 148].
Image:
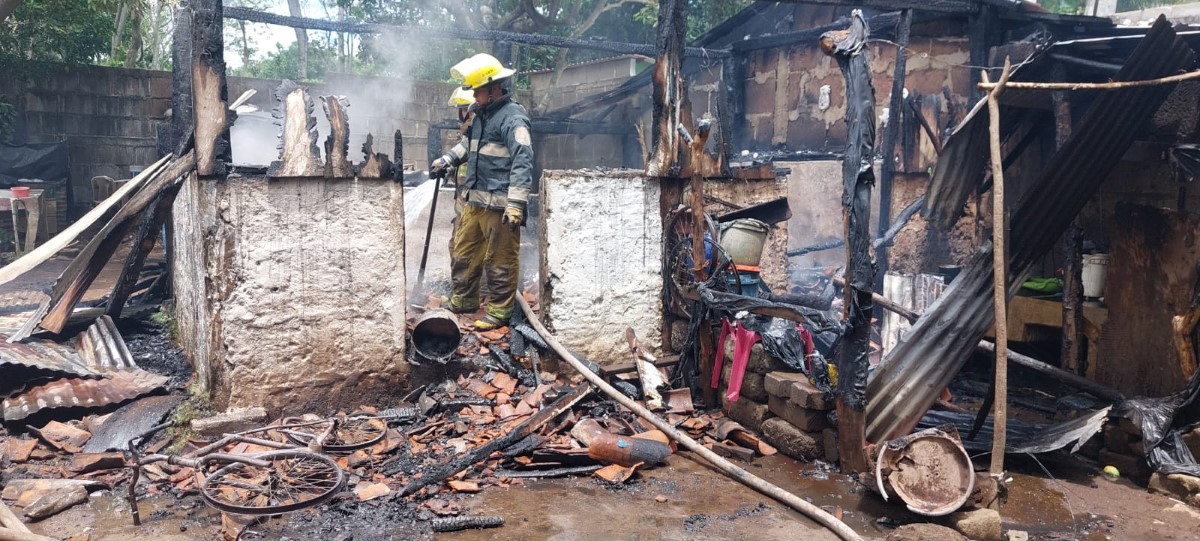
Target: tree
[55, 31]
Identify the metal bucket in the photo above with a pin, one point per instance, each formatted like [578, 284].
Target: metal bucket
[744, 239]
[436, 336]
[929, 470]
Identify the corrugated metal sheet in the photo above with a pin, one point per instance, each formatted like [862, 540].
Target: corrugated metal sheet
[82, 393]
[97, 350]
[911, 378]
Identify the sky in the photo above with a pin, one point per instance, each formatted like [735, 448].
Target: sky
[264, 37]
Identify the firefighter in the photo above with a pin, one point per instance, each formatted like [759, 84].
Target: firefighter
[498, 152]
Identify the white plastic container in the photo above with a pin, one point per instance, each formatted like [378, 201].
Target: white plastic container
[1095, 267]
[744, 240]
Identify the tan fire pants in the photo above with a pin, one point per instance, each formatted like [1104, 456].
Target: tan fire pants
[485, 249]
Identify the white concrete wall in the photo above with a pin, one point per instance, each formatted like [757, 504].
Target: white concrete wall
[601, 260]
[296, 287]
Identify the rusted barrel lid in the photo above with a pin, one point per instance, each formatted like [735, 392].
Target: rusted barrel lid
[929, 470]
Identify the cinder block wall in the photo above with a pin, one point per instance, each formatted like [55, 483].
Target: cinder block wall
[601, 260]
[290, 293]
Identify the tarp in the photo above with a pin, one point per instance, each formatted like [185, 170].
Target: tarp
[1021, 437]
[1162, 421]
[44, 161]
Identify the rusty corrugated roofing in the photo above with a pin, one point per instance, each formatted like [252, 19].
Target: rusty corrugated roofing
[938, 345]
[82, 393]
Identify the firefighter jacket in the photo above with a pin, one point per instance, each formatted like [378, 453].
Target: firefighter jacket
[498, 151]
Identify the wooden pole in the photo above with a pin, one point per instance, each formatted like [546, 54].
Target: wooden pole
[1114, 85]
[1071, 348]
[999, 263]
[891, 133]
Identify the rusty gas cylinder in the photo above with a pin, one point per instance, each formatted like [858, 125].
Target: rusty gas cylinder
[626, 451]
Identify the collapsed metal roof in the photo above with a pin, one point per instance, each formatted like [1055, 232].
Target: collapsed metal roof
[942, 340]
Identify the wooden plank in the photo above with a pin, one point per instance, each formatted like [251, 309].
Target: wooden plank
[298, 155]
[210, 95]
[51, 247]
[337, 144]
[74, 281]
[671, 106]
[152, 221]
[890, 135]
[376, 164]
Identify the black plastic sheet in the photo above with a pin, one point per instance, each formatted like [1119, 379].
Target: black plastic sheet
[45, 161]
[1021, 437]
[1162, 420]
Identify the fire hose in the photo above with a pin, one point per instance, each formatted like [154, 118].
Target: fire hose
[787, 498]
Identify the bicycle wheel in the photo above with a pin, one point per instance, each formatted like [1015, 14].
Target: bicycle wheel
[681, 273]
[295, 480]
[351, 434]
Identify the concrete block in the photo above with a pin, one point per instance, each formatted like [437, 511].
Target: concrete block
[753, 387]
[977, 524]
[748, 412]
[807, 395]
[1017, 535]
[1176, 485]
[1115, 438]
[779, 383]
[805, 419]
[234, 420]
[829, 443]
[790, 440]
[1192, 440]
[924, 532]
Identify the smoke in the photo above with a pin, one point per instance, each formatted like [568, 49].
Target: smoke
[379, 105]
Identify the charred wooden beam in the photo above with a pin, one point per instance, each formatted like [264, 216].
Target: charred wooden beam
[398, 156]
[152, 221]
[298, 153]
[890, 136]
[337, 145]
[1072, 324]
[426, 33]
[849, 47]
[881, 25]
[671, 106]
[376, 164]
[181, 82]
[84, 269]
[210, 95]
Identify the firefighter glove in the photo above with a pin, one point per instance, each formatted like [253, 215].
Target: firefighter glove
[440, 164]
[514, 214]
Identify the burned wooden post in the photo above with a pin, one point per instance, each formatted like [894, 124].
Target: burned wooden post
[398, 157]
[337, 145]
[210, 95]
[849, 48]
[1000, 264]
[671, 105]
[181, 83]
[890, 135]
[376, 164]
[1072, 322]
[298, 154]
[153, 219]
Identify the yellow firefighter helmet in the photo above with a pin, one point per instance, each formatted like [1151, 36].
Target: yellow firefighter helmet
[480, 70]
[461, 98]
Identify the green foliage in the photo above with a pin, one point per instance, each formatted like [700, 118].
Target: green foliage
[197, 405]
[8, 120]
[702, 15]
[55, 31]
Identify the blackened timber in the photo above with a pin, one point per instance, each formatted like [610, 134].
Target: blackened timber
[979, 40]
[298, 153]
[337, 144]
[890, 135]
[923, 363]
[1072, 323]
[181, 82]
[849, 48]
[398, 156]
[944, 6]
[671, 107]
[881, 25]
[425, 33]
[727, 109]
[86, 266]
[210, 95]
[152, 221]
